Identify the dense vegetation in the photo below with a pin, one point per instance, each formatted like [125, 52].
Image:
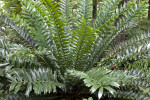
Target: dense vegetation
[61, 52]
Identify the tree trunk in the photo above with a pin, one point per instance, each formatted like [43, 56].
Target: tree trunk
[123, 36]
[122, 2]
[149, 11]
[94, 8]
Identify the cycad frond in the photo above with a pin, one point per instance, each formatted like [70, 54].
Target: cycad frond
[21, 31]
[84, 10]
[83, 39]
[36, 23]
[140, 64]
[41, 80]
[13, 54]
[66, 10]
[110, 36]
[4, 48]
[106, 11]
[46, 25]
[17, 58]
[20, 56]
[97, 80]
[132, 88]
[61, 38]
[134, 41]
[137, 46]
[130, 95]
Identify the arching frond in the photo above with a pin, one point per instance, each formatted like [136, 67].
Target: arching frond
[109, 36]
[97, 80]
[140, 64]
[84, 10]
[130, 95]
[36, 23]
[106, 11]
[61, 38]
[66, 10]
[132, 89]
[4, 48]
[82, 41]
[137, 46]
[21, 31]
[20, 56]
[13, 54]
[41, 80]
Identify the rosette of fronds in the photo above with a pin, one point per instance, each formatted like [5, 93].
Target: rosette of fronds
[70, 55]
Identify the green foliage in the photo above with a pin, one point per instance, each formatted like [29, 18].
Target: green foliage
[135, 86]
[21, 31]
[144, 24]
[84, 9]
[40, 80]
[97, 80]
[71, 55]
[83, 39]
[12, 6]
[141, 64]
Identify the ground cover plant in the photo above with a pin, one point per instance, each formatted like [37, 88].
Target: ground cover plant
[72, 56]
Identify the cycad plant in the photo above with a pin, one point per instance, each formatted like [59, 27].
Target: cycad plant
[70, 55]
